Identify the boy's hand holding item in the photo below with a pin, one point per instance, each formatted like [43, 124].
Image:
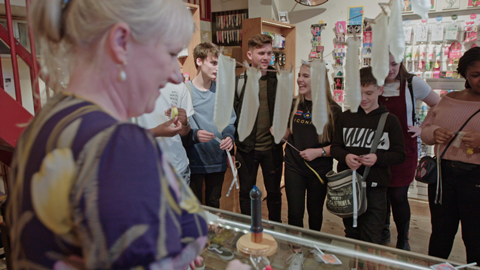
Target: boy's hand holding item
[353, 161]
[181, 113]
[368, 160]
[226, 144]
[205, 136]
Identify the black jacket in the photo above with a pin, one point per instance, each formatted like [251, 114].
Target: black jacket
[249, 143]
[354, 134]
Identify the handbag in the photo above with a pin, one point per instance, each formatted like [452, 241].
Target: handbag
[429, 170]
[347, 190]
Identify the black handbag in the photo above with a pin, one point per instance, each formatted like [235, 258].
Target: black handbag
[347, 190]
[429, 169]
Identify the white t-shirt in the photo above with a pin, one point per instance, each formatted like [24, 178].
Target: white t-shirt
[420, 91]
[171, 94]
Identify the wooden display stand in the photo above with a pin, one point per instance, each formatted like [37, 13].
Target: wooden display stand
[187, 64]
[255, 26]
[246, 246]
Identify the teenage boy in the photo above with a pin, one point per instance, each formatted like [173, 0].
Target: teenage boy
[259, 147]
[351, 146]
[208, 160]
[169, 133]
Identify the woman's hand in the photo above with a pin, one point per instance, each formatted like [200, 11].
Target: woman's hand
[352, 161]
[471, 139]
[442, 135]
[415, 130]
[310, 154]
[204, 136]
[197, 262]
[226, 144]
[368, 160]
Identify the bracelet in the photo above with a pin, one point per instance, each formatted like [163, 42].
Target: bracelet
[324, 153]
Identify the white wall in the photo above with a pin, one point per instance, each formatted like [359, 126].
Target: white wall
[261, 8]
[224, 5]
[25, 82]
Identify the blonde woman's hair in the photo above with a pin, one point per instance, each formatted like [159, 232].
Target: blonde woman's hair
[82, 25]
[329, 128]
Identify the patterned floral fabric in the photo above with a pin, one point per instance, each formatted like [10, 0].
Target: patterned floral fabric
[95, 193]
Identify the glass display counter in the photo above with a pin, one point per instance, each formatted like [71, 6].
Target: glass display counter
[225, 228]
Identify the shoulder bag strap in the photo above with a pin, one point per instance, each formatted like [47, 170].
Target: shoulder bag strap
[376, 140]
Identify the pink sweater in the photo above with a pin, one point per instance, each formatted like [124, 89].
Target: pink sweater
[451, 114]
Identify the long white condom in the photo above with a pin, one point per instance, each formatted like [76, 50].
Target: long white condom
[380, 54]
[421, 7]
[250, 104]
[353, 95]
[224, 92]
[283, 104]
[395, 29]
[318, 70]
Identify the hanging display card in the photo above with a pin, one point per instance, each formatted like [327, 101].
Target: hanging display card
[437, 32]
[408, 34]
[421, 34]
[451, 32]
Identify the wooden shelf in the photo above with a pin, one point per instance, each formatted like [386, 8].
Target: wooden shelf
[446, 84]
[187, 64]
[443, 13]
[255, 26]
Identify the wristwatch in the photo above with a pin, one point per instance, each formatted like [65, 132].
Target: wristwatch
[324, 153]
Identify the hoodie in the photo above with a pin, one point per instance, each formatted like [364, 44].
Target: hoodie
[354, 134]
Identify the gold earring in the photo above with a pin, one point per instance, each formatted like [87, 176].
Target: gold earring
[122, 75]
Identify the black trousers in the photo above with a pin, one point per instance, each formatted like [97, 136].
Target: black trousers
[397, 199]
[371, 223]
[460, 203]
[213, 187]
[295, 187]
[272, 168]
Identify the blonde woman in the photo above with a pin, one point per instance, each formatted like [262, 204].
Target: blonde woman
[90, 190]
[305, 170]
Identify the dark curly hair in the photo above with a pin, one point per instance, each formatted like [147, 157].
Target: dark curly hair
[471, 56]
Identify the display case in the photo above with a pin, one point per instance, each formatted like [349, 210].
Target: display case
[225, 228]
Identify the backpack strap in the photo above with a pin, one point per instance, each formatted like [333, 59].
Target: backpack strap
[410, 89]
[240, 83]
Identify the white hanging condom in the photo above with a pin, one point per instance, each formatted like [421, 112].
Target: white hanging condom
[283, 104]
[421, 7]
[250, 103]
[395, 29]
[353, 95]
[318, 72]
[380, 55]
[224, 92]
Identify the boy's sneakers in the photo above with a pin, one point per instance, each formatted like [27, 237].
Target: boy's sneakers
[295, 261]
[221, 252]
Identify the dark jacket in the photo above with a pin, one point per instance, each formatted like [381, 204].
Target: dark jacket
[354, 134]
[249, 143]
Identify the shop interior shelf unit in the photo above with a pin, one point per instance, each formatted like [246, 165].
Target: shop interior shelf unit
[446, 84]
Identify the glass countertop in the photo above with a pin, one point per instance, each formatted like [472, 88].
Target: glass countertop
[225, 228]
